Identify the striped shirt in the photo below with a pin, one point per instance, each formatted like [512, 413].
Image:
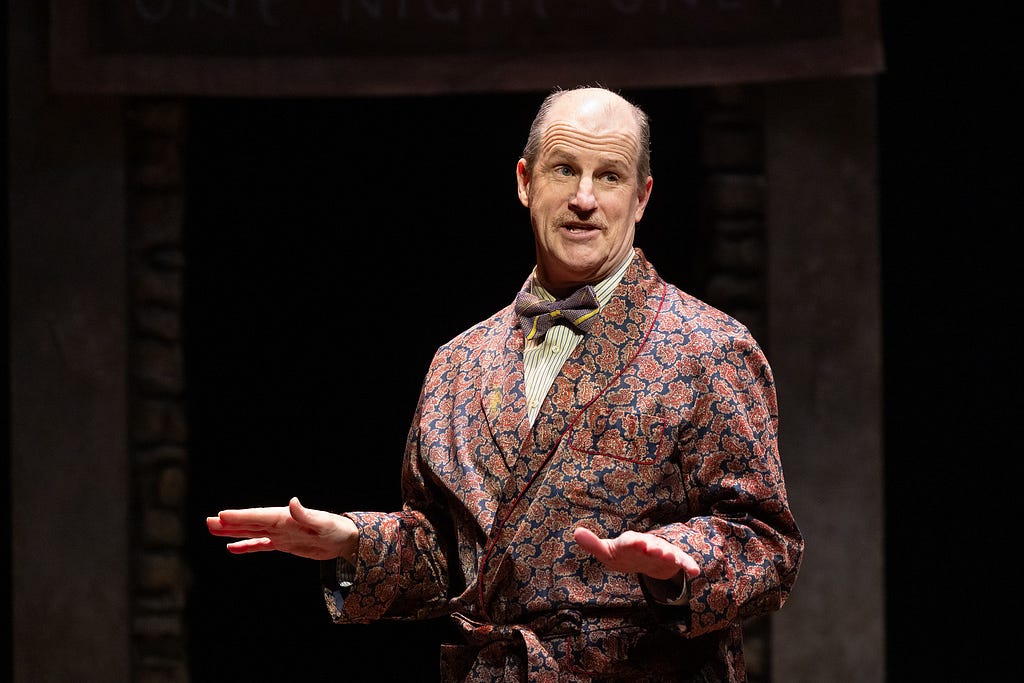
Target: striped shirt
[543, 359]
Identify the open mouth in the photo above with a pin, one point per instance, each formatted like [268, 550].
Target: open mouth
[579, 229]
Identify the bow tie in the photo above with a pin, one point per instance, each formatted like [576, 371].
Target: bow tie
[536, 316]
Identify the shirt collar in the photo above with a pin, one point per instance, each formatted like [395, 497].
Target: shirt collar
[602, 289]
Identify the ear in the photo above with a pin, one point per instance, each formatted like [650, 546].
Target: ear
[523, 181]
[643, 195]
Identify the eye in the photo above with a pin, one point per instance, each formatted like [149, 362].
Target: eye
[563, 171]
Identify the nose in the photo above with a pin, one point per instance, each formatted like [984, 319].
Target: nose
[583, 199]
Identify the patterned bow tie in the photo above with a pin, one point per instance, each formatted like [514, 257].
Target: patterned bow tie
[536, 316]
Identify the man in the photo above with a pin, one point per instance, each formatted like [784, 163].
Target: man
[599, 499]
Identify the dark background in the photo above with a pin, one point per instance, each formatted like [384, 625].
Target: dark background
[950, 182]
[301, 377]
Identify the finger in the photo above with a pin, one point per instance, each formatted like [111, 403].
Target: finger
[242, 532]
[690, 566]
[251, 545]
[252, 518]
[218, 528]
[301, 514]
[668, 559]
[670, 554]
[594, 545]
[314, 521]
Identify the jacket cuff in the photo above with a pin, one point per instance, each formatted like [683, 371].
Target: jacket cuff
[665, 592]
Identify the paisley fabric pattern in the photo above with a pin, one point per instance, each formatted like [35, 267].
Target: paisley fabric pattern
[663, 420]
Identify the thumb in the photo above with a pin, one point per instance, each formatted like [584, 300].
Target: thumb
[299, 513]
[590, 542]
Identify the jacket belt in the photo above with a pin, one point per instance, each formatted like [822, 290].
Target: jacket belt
[507, 645]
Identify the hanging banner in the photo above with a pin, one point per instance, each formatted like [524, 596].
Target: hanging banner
[380, 47]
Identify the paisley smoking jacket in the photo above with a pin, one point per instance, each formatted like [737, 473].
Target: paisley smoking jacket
[663, 420]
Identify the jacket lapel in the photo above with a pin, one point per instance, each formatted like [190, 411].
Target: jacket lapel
[503, 396]
[612, 343]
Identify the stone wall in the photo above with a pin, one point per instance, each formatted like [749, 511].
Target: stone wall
[731, 262]
[156, 140]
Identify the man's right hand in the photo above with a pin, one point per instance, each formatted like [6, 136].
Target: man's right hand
[294, 529]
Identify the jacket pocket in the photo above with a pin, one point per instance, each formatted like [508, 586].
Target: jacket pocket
[619, 434]
[620, 466]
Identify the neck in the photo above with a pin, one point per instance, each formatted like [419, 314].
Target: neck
[564, 289]
[563, 292]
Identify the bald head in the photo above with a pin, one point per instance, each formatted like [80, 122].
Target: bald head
[594, 108]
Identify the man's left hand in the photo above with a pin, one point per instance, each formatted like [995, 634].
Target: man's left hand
[639, 553]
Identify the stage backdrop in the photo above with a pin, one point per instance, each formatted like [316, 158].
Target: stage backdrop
[387, 47]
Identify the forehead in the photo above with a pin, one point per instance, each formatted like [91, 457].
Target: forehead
[601, 124]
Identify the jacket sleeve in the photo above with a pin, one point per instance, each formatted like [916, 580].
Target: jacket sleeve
[741, 530]
[401, 567]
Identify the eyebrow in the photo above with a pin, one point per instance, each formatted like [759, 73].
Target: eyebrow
[559, 154]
